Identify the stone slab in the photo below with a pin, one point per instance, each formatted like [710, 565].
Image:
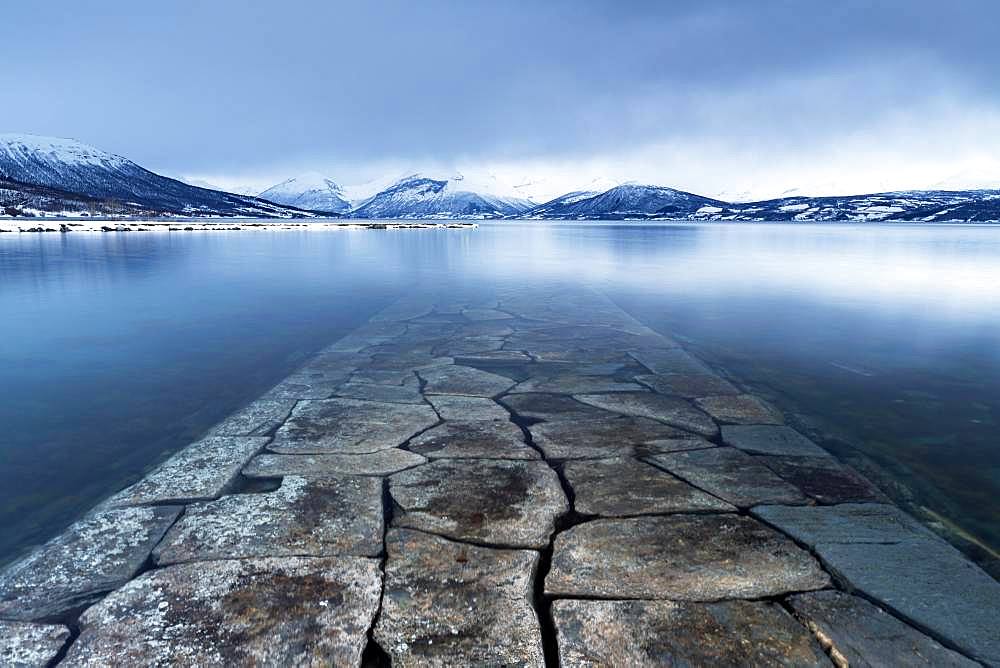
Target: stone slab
[481, 439]
[287, 611]
[553, 407]
[825, 479]
[27, 645]
[381, 463]
[451, 407]
[575, 384]
[687, 385]
[651, 633]
[408, 393]
[316, 516]
[676, 444]
[476, 314]
[611, 436]
[452, 604]
[260, 418]
[771, 440]
[673, 360]
[491, 501]
[844, 523]
[730, 474]
[856, 633]
[464, 380]
[350, 426]
[468, 345]
[203, 470]
[740, 409]
[679, 557]
[303, 385]
[626, 487]
[93, 556]
[669, 410]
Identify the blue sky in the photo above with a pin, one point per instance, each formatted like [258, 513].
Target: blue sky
[729, 97]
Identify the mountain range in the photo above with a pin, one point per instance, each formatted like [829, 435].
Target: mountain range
[43, 176]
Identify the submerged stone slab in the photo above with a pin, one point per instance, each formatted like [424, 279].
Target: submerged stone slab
[299, 611]
[845, 523]
[676, 444]
[350, 426]
[257, 419]
[468, 345]
[679, 557]
[408, 393]
[500, 502]
[298, 386]
[825, 479]
[612, 436]
[93, 556]
[473, 439]
[650, 633]
[451, 604]
[464, 380]
[319, 517]
[380, 463]
[670, 410]
[27, 645]
[771, 440]
[687, 385]
[857, 633]
[672, 360]
[575, 384]
[553, 407]
[202, 470]
[451, 407]
[740, 409]
[730, 474]
[624, 487]
[476, 314]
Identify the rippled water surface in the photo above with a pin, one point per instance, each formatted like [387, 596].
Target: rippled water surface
[117, 349]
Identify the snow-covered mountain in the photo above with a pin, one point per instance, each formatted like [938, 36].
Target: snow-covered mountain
[418, 196]
[625, 201]
[311, 191]
[47, 174]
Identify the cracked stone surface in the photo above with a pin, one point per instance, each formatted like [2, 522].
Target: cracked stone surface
[473, 439]
[771, 440]
[687, 385]
[845, 523]
[469, 346]
[464, 380]
[203, 470]
[475, 314]
[257, 419]
[730, 474]
[321, 516]
[675, 444]
[27, 645]
[669, 361]
[650, 633]
[824, 479]
[451, 407]
[681, 558]
[303, 385]
[670, 410]
[553, 407]
[381, 463]
[740, 409]
[575, 384]
[350, 426]
[589, 438]
[408, 393]
[277, 611]
[93, 556]
[862, 634]
[492, 501]
[452, 604]
[625, 487]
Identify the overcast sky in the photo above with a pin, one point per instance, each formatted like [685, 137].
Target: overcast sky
[735, 98]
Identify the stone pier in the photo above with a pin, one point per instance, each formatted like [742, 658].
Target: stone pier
[534, 478]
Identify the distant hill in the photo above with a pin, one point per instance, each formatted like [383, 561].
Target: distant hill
[421, 197]
[312, 192]
[625, 201]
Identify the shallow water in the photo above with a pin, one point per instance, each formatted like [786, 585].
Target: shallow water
[117, 349]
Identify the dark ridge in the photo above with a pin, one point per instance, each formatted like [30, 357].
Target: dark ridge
[245, 485]
[74, 633]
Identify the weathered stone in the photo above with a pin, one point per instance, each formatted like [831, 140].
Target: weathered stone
[300, 386]
[553, 407]
[589, 438]
[672, 360]
[575, 384]
[464, 380]
[380, 463]
[494, 328]
[27, 645]
[500, 502]
[287, 611]
[474, 359]
[845, 523]
[317, 516]
[202, 470]
[771, 440]
[730, 474]
[675, 444]
[624, 487]
[651, 633]
[687, 385]
[670, 410]
[857, 633]
[93, 556]
[452, 604]
[405, 309]
[260, 418]
[350, 426]
[468, 345]
[824, 479]
[451, 407]
[740, 409]
[475, 314]
[393, 394]
[679, 557]
[473, 439]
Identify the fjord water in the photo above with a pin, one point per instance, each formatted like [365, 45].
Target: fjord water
[117, 349]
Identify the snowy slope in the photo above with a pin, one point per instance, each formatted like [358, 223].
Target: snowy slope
[311, 191]
[625, 201]
[418, 196]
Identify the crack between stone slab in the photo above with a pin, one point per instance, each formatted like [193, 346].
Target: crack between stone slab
[648, 460]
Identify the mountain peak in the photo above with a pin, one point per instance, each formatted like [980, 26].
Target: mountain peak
[311, 191]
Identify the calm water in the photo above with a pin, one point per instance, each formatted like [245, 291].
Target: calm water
[117, 349]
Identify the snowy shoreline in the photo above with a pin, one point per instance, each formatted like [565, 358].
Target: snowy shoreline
[188, 225]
